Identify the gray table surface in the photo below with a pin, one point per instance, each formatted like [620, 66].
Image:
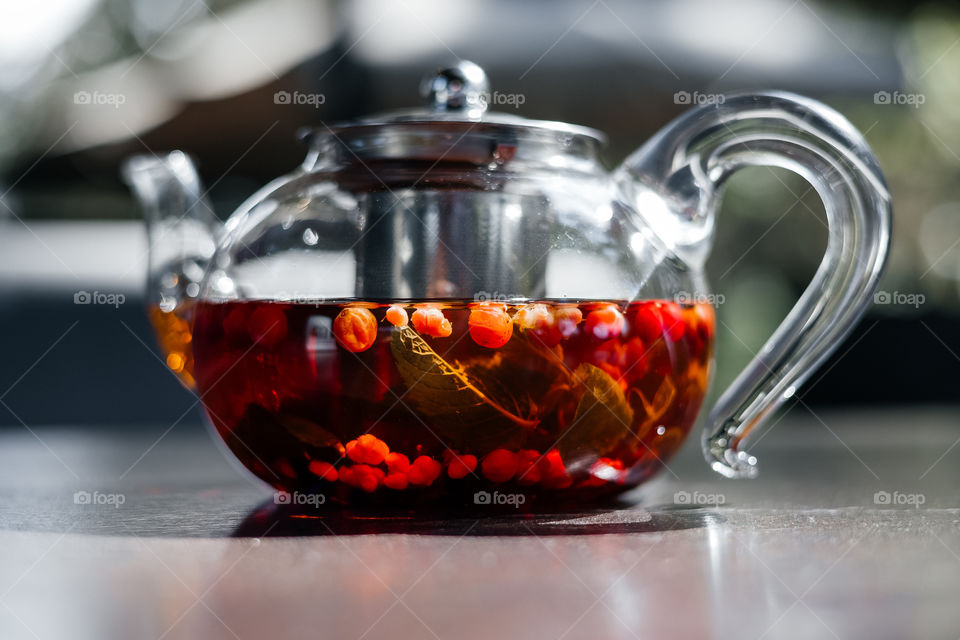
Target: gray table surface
[808, 550]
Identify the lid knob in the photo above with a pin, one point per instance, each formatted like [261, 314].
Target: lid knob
[463, 87]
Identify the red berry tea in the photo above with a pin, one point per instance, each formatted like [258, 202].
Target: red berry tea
[452, 402]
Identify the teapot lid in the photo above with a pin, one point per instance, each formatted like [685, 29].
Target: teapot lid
[456, 126]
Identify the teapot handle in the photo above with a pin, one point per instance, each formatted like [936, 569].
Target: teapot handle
[688, 163]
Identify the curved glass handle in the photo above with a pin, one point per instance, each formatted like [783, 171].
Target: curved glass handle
[687, 164]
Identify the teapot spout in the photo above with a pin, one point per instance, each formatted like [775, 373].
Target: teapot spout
[182, 229]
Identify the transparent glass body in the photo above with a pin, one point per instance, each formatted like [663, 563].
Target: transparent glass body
[470, 310]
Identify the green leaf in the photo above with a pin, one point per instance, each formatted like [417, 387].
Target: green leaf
[603, 416]
[465, 405]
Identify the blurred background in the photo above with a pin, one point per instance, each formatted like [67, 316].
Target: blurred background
[84, 83]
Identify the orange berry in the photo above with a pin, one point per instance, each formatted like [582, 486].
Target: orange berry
[367, 449]
[431, 321]
[397, 463]
[490, 325]
[355, 329]
[539, 321]
[499, 465]
[323, 470]
[605, 323]
[353, 452]
[397, 315]
[460, 466]
[567, 319]
[532, 316]
[377, 449]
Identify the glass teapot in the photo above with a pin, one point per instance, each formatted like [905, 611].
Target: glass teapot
[455, 306]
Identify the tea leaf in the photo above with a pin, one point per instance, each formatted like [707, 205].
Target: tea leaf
[603, 416]
[662, 399]
[276, 433]
[309, 432]
[460, 401]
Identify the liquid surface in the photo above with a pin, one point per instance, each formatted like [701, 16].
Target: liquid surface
[467, 403]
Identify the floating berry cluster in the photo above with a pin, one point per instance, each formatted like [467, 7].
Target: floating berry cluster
[491, 325]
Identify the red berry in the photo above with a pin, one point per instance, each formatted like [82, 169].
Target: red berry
[267, 325]
[395, 480]
[672, 318]
[460, 466]
[646, 322]
[397, 462]
[605, 323]
[555, 474]
[323, 470]
[235, 325]
[500, 465]
[424, 471]
[528, 469]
